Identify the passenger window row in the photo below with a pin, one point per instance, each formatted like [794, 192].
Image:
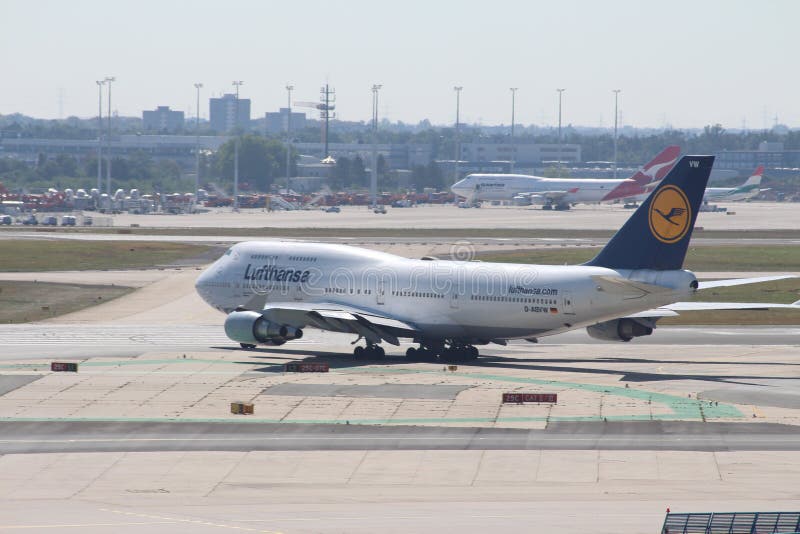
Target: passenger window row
[499, 298]
[417, 294]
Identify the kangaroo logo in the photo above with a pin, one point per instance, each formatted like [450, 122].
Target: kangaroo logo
[670, 214]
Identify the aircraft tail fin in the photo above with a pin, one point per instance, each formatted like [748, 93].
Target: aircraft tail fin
[648, 177]
[755, 178]
[657, 235]
[656, 169]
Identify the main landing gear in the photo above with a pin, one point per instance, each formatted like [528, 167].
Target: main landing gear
[451, 353]
[370, 352]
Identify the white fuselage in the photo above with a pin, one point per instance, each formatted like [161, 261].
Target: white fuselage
[732, 194]
[443, 299]
[507, 186]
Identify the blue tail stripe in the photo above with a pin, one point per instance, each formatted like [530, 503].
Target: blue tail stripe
[657, 235]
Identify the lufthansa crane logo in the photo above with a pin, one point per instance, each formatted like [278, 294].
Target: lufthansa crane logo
[670, 214]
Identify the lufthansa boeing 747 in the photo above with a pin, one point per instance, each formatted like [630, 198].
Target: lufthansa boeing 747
[271, 291]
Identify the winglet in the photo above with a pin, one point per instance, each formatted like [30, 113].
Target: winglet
[657, 235]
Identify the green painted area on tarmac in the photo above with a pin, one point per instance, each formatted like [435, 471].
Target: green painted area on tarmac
[681, 408]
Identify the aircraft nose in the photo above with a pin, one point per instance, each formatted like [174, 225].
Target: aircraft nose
[203, 285]
[461, 188]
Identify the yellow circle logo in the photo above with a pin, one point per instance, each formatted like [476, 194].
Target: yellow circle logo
[670, 214]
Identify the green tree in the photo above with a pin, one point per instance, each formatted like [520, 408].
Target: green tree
[428, 176]
[341, 173]
[260, 161]
[358, 173]
[62, 165]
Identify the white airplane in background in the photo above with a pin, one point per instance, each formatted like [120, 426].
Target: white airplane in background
[272, 290]
[749, 189]
[561, 193]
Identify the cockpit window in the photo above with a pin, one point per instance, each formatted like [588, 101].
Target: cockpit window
[228, 252]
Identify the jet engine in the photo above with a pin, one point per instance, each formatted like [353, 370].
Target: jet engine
[621, 329]
[251, 328]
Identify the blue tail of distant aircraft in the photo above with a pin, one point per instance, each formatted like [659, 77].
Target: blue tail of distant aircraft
[657, 235]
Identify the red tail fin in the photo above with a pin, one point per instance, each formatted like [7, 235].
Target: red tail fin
[651, 173]
[658, 167]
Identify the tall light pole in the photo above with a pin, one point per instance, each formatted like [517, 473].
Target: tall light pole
[100, 84]
[373, 183]
[513, 146]
[457, 89]
[197, 86]
[236, 84]
[616, 117]
[289, 89]
[108, 80]
[560, 143]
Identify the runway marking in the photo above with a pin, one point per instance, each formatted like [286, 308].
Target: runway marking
[368, 422]
[193, 521]
[772, 438]
[87, 525]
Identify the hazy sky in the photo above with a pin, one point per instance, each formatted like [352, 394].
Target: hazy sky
[684, 63]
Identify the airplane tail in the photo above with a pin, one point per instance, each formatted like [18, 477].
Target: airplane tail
[657, 235]
[657, 168]
[646, 178]
[755, 178]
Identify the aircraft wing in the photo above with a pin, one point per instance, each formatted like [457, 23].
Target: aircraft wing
[338, 318]
[546, 195]
[706, 306]
[672, 310]
[742, 281]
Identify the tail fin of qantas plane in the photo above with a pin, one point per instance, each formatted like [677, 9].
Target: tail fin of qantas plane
[657, 168]
[646, 179]
[657, 235]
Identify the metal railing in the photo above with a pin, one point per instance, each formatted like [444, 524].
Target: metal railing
[732, 523]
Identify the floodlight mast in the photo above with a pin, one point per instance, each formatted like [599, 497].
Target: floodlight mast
[616, 117]
[100, 84]
[197, 86]
[560, 142]
[457, 89]
[289, 89]
[373, 185]
[108, 80]
[236, 84]
[513, 146]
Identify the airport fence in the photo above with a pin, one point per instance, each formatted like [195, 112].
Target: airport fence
[732, 523]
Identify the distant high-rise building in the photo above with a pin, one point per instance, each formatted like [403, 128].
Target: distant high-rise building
[162, 119]
[276, 121]
[222, 113]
